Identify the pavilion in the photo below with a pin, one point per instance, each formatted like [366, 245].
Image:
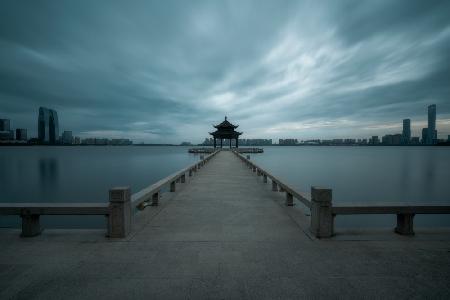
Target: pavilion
[226, 130]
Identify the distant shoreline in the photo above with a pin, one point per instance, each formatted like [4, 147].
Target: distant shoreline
[173, 145]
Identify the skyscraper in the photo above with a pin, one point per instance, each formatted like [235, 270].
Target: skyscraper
[48, 126]
[21, 134]
[406, 134]
[4, 125]
[431, 134]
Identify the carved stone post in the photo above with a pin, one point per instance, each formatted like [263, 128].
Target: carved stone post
[322, 219]
[30, 224]
[173, 186]
[274, 186]
[265, 178]
[405, 224]
[120, 214]
[190, 172]
[155, 199]
[289, 199]
[183, 178]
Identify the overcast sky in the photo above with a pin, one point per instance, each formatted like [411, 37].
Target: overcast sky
[164, 71]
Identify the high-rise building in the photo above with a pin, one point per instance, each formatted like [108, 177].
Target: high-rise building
[406, 134]
[4, 125]
[424, 135]
[431, 135]
[48, 126]
[21, 134]
[374, 140]
[67, 138]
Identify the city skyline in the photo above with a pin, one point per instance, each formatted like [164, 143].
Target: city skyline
[154, 71]
[48, 133]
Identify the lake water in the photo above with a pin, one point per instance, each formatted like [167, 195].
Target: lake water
[364, 175]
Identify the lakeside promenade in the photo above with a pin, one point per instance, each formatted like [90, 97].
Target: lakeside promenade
[224, 234]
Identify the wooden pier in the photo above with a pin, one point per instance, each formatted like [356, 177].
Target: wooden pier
[225, 229]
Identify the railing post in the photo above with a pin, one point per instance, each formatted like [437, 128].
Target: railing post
[274, 186]
[289, 199]
[248, 157]
[183, 178]
[282, 189]
[155, 198]
[405, 224]
[254, 169]
[119, 220]
[265, 178]
[173, 186]
[190, 172]
[322, 219]
[30, 224]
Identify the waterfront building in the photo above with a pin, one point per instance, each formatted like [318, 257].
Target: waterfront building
[21, 134]
[5, 125]
[226, 130]
[287, 142]
[406, 134]
[255, 142]
[391, 139]
[67, 138]
[48, 126]
[374, 140]
[424, 135]
[415, 140]
[7, 135]
[76, 140]
[432, 134]
[122, 142]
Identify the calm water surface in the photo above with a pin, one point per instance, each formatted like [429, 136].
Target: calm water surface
[367, 175]
[364, 175]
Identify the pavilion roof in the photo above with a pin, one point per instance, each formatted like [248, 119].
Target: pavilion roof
[226, 124]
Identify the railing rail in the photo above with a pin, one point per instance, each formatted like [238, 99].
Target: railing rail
[152, 192]
[118, 210]
[323, 212]
[390, 209]
[276, 183]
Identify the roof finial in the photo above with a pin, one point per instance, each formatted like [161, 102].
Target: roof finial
[225, 118]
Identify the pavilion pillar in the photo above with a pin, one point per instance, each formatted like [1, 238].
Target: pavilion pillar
[221, 143]
[230, 143]
[214, 142]
[237, 142]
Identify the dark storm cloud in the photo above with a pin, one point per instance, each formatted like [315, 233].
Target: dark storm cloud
[155, 70]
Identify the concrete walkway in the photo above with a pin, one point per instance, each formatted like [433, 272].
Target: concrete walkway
[223, 235]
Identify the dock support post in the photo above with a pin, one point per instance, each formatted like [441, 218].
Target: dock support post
[405, 224]
[274, 186]
[183, 178]
[173, 186]
[322, 219]
[119, 221]
[289, 199]
[30, 224]
[265, 178]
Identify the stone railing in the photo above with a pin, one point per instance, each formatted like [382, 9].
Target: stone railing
[119, 210]
[323, 212]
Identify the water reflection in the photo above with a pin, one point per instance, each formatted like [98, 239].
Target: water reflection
[48, 173]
